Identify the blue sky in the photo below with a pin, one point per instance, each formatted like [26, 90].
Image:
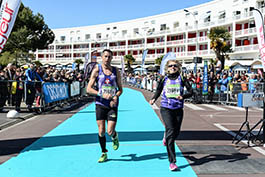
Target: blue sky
[74, 13]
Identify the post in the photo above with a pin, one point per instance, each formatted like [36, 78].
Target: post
[261, 39]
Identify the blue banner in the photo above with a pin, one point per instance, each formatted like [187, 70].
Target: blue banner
[55, 91]
[205, 79]
[144, 55]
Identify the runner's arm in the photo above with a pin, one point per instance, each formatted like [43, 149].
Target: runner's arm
[119, 84]
[92, 81]
[158, 90]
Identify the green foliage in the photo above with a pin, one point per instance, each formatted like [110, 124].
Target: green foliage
[129, 60]
[159, 60]
[219, 42]
[28, 34]
[7, 57]
[38, 63]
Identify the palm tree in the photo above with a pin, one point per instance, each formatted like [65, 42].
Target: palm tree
[129, 60]
[78, 62]
[220, 43]
[159, 60]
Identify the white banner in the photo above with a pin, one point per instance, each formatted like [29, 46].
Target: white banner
[168, 56]
[122, 66]
[9, 10]
[260, 33]
[75, 88]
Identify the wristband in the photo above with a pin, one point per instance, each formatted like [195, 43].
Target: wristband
[99, 94]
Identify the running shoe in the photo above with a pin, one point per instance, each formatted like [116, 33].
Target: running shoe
[164, 141]
[173, 167]
[103, 158]
[115, 142]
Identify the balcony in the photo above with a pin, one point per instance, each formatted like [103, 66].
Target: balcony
[245, 31]
[246, 48]
[175, 42]
[135, 46]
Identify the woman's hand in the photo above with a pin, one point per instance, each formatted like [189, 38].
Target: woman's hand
[179, 97]
[152, 101]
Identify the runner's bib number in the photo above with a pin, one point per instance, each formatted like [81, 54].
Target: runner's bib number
[108, 90]
[172, 90]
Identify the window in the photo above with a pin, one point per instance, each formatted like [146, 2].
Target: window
[136, 30]
[176, 24]
[62, 38]
[98, 35]
[163, 27]
[222, 14]
[108, 28]
[87, 36]
[153, 22]
[124, 32]
[115, 27]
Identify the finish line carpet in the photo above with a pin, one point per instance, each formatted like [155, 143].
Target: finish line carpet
[72, 149]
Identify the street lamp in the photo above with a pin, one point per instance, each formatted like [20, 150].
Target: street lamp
[144, 50]
[195, 59]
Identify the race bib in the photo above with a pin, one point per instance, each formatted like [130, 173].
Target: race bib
[108, 90]
[172, 90]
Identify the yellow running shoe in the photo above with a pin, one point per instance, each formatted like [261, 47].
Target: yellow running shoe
[115, 142]
[103, 158]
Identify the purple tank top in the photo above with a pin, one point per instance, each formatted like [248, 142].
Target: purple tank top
[106, 84]
[172, 89]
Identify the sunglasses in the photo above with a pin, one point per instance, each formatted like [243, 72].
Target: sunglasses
[172, 66]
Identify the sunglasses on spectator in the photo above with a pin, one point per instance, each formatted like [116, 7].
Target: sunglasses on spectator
[172, 66]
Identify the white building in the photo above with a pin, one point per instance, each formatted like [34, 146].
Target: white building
[183, 32]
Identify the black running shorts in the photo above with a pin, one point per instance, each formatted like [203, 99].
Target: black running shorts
[106, 113]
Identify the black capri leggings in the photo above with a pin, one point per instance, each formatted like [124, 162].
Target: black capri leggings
[172, 119]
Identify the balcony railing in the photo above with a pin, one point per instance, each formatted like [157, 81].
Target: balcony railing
[254, 47]
[245, 31]
[175, 42]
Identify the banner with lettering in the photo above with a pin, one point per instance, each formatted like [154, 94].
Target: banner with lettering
[205, 79]
[260, 33]
[8, 14]
[55, 91]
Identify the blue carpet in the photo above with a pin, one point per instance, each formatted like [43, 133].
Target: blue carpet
[72, 149]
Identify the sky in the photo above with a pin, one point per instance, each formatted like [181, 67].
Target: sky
[76, 13]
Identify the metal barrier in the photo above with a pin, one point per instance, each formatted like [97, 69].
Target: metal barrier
[214, 95]
[39, 96]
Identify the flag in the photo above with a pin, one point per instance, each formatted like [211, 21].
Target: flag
[122, 66]
[73, 66]
[260, 33]
[143, 57]
[205, 79]
[8, 14]
[86, 62]
[168, 56]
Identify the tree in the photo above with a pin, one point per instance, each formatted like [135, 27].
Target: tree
[220, 43]
[78, 62]
[129, 60]
[159, 60]
[38, 63]
[28, 34]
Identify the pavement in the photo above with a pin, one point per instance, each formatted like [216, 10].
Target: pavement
[65, 143]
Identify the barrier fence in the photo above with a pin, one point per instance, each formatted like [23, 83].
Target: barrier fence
[39, 96]
[218, 93]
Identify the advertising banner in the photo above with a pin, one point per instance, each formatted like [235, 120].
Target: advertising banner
[75, 88]
[8, 14]
[168, 56]
[55, 92]
[260, 34]
[205, 79]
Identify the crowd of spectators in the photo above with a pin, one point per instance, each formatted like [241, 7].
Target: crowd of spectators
[25, 82]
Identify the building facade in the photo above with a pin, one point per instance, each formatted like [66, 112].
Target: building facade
[183, 32]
